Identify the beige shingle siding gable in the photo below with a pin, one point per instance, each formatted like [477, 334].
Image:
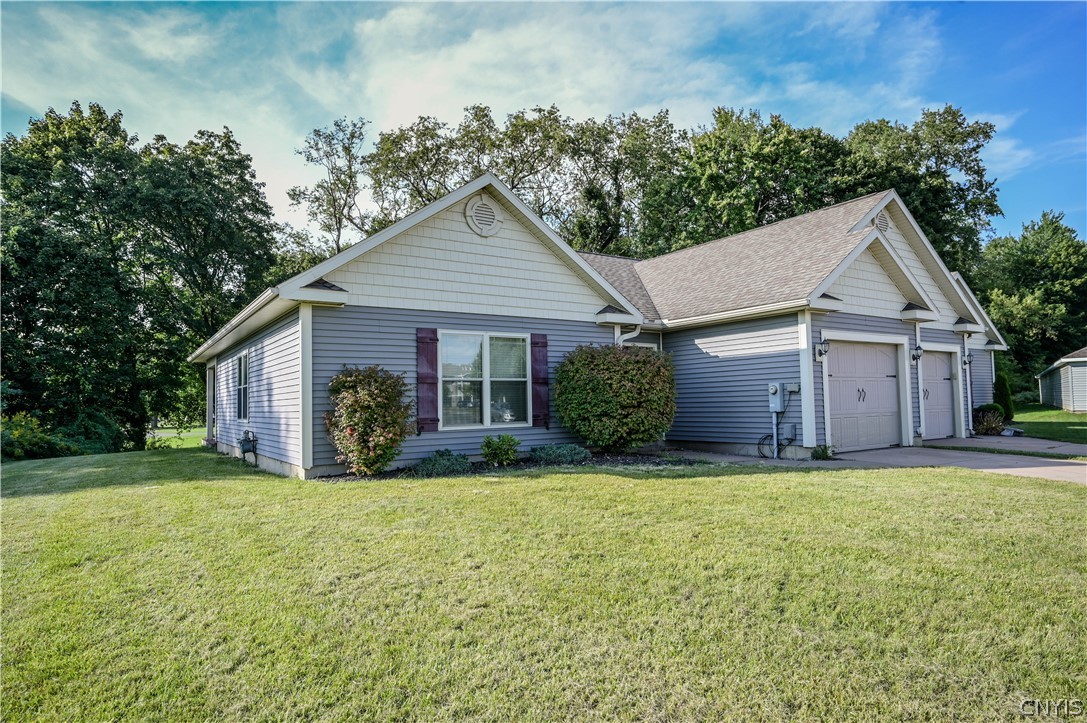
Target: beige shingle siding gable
[867, 289]
[442, 265]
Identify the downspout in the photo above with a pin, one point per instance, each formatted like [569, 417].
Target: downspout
[969, 386]
[620, 338]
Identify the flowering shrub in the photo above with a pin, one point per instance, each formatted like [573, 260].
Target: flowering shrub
[369, 418]
[616, 397]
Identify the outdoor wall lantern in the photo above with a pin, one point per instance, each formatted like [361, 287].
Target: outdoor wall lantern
[968, 359]
[918, 352]
[822, 349]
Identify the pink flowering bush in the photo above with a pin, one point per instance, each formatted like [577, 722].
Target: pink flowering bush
[369, 418]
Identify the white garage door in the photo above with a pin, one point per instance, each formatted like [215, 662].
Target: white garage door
[863, 396]
[938, 395]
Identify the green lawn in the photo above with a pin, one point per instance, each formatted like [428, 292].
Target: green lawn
[180, 585]
[1050, 423]
[181, 439]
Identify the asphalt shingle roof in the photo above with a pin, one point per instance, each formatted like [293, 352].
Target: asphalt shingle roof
[1080, 354]
[780, 262]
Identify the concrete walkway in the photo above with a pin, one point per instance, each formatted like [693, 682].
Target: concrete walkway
[1054, 469]
[1016, 444]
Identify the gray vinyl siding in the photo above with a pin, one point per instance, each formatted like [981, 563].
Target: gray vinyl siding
[867, 324]
[646, 337]
[275, 387]
[1066, 387]
[361, 336]
[722, 373]
[981, 377]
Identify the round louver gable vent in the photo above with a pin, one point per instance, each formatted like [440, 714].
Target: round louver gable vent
[483, 215]
[882, 222]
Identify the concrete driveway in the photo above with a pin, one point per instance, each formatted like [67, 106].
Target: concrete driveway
[1066, 470]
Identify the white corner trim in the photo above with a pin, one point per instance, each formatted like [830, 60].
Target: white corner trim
[920, 379]
[807, 379]
[905, 376]
[305, 323]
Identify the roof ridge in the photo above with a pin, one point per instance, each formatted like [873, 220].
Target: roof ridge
[610, 256]
[766, 226]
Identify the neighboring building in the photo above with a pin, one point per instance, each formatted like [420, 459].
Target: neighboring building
[1064, 384]
[849, 309]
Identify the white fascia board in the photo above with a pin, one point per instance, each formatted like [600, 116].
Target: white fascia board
[984, 317]
[892, 195]
[604, 319]
[874, 236]
[969, 328]
[919, 315]
[486, 181]
[229, 331]
[753, 312]
[321, 297]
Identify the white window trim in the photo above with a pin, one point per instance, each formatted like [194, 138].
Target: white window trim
[238, 385]
[486, 412]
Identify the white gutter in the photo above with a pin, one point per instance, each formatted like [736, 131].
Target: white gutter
[750, 312]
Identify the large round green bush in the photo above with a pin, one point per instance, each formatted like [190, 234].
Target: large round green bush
[370, 417]
[616, 397]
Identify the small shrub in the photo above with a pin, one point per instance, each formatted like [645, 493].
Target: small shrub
[557, 454]
[441, 463]
[23, 437]
[822, 453]
[500, 451]
[1002, 395]
[1028, 397]
[988, 422]
[369, 418]
[993, 407]
[616, 397]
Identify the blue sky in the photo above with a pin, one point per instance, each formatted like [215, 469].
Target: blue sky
[274, 71]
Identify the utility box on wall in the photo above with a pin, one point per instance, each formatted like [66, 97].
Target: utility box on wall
[776, 392]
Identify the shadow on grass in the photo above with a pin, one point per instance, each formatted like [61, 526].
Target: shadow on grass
[172, 466]
[62, 475]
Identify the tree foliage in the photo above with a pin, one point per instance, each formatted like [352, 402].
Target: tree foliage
[1034, 287]
[117, 261]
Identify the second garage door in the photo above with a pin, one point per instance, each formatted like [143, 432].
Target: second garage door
[863, 396]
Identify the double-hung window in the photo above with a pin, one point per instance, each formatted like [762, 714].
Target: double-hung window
[484, 379]
[241, 378]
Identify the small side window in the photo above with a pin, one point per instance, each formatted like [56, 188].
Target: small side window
[242, 387]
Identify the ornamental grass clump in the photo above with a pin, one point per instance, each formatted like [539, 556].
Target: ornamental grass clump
[616, 397]
[370, 417]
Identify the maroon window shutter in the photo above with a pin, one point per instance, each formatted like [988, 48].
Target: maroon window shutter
[426, 380]
[540, 415]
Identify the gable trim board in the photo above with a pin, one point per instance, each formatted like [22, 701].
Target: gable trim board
[360, 307]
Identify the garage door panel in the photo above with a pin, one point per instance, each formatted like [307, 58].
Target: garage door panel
[863, 399]
[938, 394]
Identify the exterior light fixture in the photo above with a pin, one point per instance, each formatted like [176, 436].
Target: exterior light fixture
[822, 349]
[917, 353]
[968, 359]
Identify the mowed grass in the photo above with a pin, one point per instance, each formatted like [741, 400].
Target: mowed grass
[180, 585]
[180, 439]
[1045, 422]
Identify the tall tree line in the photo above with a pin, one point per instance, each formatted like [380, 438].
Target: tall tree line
[118, 260]
[640, 186]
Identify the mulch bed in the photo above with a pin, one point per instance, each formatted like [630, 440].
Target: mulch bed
[600, 459]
